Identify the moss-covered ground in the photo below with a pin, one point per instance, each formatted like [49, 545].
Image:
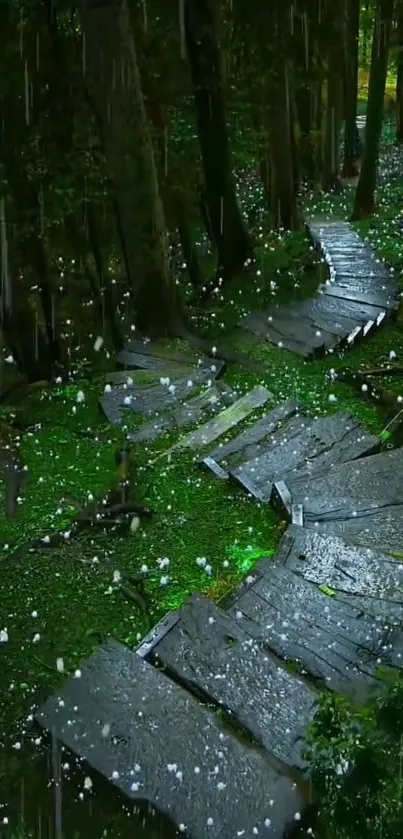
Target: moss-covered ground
[58, 604]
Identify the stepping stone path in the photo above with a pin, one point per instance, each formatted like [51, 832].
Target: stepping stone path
[359, 295]
[207, 720]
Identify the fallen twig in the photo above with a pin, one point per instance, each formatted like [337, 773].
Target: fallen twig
[397, 370]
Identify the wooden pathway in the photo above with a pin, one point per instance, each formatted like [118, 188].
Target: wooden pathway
[214, 705]
[206, 720]
[358, 296]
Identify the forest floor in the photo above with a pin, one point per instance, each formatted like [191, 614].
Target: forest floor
[59, 604]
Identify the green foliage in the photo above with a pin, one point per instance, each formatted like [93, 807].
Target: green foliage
[356, 756]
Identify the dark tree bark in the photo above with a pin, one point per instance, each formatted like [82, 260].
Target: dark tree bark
[282, 162]
[364, 203]
[334, 104]
[230, 236]
[114, 85]
[350, 169]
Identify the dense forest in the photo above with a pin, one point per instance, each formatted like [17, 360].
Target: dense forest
[165, 169]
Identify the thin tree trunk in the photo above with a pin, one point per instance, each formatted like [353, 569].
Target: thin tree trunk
[350, 169]
[334, 104]
[114, 84]
[282, 169]
[230, 236]
[364, 203]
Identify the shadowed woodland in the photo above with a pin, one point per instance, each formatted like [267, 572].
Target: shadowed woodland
[167, 170]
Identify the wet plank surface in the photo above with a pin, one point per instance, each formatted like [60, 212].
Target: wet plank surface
[155, 742]
[163, 366]
[326, 559]
[303, 446]
[212, 655]
[252, 441]
[258, 324]
[354, 492]
[339, 640]
[379, 528]
[239, 410]
[155, 399]
[209, 401]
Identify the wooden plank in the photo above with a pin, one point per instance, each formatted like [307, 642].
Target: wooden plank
[163, 366]
[165, 351]
[194, 410]
[262, 471]
[209, 401]
[303, 446]
[339, 308]
[281, 497]
[377, 301]
[227, 419]
[212, 655]
[380, 528]
[340, 640]
[123, 713]
[310, 311]
[292, 329]
[297, 514]
[354, 335]
[354, 496]
[326, 559]
[138, 377]
[155, 399]
[250, 442]
[364, 286]
[256, 322]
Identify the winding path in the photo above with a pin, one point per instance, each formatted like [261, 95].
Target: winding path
[358, 296]
[206, 720]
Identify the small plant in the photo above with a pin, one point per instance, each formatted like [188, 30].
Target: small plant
[356, 758]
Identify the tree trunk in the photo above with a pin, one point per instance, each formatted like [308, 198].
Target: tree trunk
[282, 168]
[399, 82]
[334, 104]
[114, 85]
[364, 203]
[350, 169]
[230, 236]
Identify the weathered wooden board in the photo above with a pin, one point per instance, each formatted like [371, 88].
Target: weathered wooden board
[210, 431]
[258, 474]
[361, 264]
[257, 323]
[123, 713]
[326, 559]
[377, 301]
[142, 378]
[194, 410]
[214, 657]
[250, 442]
[365, 286]
[348, 496]
[163, 366]
[340, 308]
[167, 352]
[381, 529]
[155, 399]
[310, 312]
[341, 639]
[302, 447]
[318, 339]
[351, 252]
